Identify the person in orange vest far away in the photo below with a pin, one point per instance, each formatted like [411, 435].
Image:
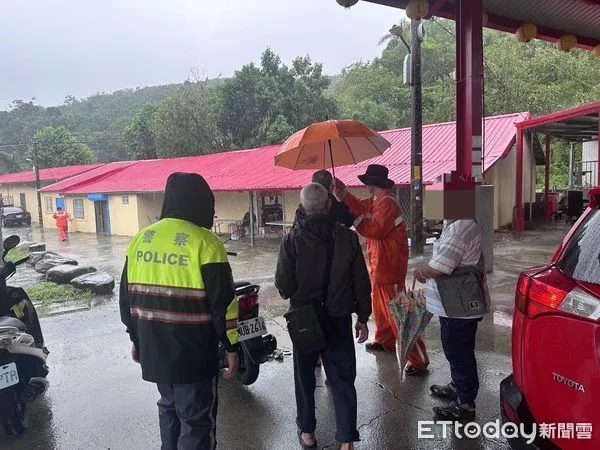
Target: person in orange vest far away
[62, 222]
[379, 219]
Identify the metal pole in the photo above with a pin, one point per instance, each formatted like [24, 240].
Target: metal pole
[38, 185]
[547, 180]
[416, 191]
[251, 196]
[571, 156]
[519, 218]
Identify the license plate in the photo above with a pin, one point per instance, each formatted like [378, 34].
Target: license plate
[8, 375]
[19, 216]
[252, 328]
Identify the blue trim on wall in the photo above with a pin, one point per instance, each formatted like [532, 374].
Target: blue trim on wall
[98, 197]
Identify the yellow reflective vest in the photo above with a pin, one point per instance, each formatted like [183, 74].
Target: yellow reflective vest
[178, 300]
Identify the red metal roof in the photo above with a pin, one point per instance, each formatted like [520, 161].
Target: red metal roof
[576, 124]
[55, 174]
[255, 169]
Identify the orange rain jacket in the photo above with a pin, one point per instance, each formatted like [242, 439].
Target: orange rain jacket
[380, 221]
[62, 219]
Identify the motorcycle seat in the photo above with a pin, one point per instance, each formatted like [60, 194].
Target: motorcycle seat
[7, 321]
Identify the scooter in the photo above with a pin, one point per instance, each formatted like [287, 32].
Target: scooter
[23, 368]
[255, 343]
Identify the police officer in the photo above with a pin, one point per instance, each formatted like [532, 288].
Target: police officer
[177, 301]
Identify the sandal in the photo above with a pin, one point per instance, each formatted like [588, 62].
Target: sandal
[375, 347]
[455, 412]
[448, 391]
[303, 444]
[413, 371]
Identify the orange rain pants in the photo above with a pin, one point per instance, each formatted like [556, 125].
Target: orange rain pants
[63, 232]
[387, 333]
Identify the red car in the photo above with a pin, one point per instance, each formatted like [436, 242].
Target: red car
[556, 343]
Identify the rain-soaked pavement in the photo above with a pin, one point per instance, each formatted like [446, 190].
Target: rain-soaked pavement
[97, 399]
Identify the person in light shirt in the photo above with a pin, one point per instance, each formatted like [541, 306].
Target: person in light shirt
[459, 245]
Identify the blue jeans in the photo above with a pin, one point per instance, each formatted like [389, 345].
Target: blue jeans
[188, 415]
[339, 361]
[458, 341]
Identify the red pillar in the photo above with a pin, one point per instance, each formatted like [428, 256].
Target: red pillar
[598, 157]
[469, 74]
[519, 219]
[547, 180]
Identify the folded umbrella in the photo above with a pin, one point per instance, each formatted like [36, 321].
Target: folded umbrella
[330, 144]
[411, 318]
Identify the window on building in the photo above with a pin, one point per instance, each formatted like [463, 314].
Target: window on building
[78, 209]
[48, 205]
[125, 199]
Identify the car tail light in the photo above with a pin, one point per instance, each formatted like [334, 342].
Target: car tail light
[551, 291]
[248, 301]
[582, 304]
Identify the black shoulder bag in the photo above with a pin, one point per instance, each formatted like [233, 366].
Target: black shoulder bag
[463, 291]
[305, 322]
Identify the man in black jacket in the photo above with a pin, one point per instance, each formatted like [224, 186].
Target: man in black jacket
[177, 301]
[338, 212]
[301, 274]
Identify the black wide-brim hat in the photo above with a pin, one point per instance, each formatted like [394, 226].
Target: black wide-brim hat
[377, 175]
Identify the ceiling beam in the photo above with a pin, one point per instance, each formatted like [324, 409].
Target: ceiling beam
[500, 23]
[433, 10]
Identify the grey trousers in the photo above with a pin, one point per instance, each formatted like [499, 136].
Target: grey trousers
[188, 415]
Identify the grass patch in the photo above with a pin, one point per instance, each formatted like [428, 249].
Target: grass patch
[15, 255]
[47, 294]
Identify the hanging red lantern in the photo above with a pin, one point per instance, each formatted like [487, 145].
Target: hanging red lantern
[566, 42]
[417, 9]
[526, 32]
[347, 3]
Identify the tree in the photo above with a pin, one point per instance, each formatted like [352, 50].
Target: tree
[374, 95]
[138, 134]
[58, 147]
[185, 123]
[260, 104]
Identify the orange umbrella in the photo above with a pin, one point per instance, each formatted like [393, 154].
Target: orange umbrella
[330, 144]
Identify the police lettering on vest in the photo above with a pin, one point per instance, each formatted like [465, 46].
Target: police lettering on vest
[172, 259]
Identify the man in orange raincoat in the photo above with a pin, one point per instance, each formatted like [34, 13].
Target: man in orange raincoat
[379, 219]
[62, 222]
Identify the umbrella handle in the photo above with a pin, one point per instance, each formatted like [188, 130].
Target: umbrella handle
[331, 157]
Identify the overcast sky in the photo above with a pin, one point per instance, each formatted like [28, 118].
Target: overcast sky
[53, 48]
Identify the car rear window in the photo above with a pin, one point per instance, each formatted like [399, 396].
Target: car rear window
[12, 210]
[581, 259]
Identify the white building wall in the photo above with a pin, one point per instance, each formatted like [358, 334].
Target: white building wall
[503, 176]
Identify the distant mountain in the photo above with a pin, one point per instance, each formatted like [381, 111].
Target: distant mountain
[98, 120]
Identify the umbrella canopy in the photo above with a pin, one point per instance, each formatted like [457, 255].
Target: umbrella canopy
[329, 144]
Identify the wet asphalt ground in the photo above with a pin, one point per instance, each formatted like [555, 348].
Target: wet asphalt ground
[97, 399]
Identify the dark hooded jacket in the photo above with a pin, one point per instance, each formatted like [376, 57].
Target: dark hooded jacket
[301, 268]
[170, 350]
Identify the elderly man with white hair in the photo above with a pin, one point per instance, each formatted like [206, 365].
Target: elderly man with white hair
[321, 264]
